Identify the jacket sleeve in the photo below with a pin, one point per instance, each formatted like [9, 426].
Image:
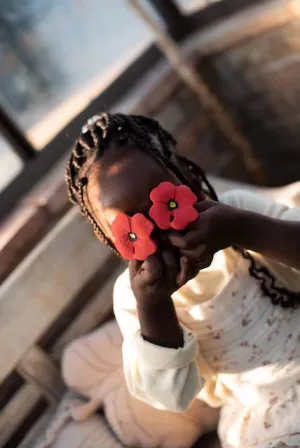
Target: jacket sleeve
[164, 378]
[247, 200]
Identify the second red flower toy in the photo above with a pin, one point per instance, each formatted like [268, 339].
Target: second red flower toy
[173, 207]
[132, 236]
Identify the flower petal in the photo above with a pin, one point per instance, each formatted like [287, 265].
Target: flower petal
[184, 216]
[121, 225]
[125, 247]
[161, 215]
[184, 196]
[141, 226]
[143, 248]
[163, 193]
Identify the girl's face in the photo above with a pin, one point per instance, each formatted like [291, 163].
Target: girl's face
[120, 182]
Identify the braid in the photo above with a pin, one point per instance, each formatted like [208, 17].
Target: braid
[147, 135]
[98, 231]
[198, 174]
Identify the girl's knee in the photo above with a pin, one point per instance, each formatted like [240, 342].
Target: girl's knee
[89, 361]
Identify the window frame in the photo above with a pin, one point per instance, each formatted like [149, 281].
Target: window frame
[38, 163]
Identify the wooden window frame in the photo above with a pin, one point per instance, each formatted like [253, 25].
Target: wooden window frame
[38, 163]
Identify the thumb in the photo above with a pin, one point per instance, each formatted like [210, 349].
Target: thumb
[184, 275]
[204, 205]
[134, 267]
[151, 269]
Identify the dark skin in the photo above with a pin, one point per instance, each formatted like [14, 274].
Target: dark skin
[220, 226]
[121, 182]
[116, 185]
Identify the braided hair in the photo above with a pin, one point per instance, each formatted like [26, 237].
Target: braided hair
[147, 135]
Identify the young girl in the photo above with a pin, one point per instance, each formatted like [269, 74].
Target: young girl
[201, 317]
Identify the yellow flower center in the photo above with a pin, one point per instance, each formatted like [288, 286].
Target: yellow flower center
[173, 205]
[132, 236]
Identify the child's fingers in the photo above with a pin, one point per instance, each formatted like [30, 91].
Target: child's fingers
[202, 206]
[185, 272]
[202, 263]
[197, 253]
[170, 265]
[134, 267]
[151, 270]
[189, 240]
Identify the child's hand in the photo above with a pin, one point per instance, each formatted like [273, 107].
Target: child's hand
[213, 231]
[156, 278]
[153, 282]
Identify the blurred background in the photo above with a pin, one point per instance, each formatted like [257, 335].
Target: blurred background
[58, 57]
[221, 75]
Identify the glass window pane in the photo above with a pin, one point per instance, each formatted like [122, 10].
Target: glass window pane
[194, 5]
[10, 163]
[57, 55]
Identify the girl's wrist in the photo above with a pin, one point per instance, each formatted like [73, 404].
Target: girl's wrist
[234, 226]
[159, 323]
[150, 301]
[251, 230]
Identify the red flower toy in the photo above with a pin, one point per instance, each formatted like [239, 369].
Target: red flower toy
[132, 236]
[173, 207]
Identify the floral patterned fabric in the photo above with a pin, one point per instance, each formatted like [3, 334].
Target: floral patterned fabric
[249, 350]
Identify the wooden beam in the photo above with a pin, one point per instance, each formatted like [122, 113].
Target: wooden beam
[15, 137]
[210, 103]
[37, 368]
[177, 23]
[44, 284]
[17, 410]
[242, 26]
[38, 429]
[98, 310]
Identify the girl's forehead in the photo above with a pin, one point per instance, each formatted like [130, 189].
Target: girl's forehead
[124, 184]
